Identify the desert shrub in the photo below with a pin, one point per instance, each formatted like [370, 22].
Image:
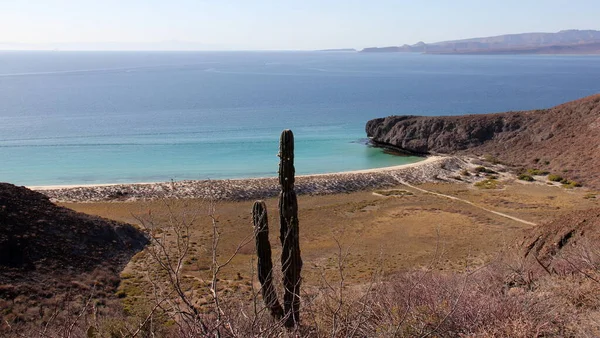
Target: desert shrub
[537, 172]
[394, 192]
[570, 184]
[491, 159]
[482, 169]
[555, 178]
[487, 184]
[525, 177]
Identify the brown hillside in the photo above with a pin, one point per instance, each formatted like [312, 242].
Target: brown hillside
[565, 240]
[564, 140]
[47, 251]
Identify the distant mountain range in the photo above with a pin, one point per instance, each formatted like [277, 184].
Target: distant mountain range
[564, 42]
[338, 50]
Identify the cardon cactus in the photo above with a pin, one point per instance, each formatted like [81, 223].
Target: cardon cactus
[265, 264]
[291, 262]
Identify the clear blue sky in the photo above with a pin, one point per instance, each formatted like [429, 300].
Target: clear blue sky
[283, 24]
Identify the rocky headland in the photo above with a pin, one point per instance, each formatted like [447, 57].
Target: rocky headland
[563, 139]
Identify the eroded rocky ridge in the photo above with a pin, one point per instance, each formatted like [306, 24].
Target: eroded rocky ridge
[570, 237]
[564, 139]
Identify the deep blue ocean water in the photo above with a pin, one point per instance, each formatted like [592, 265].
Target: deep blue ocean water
[110, 117]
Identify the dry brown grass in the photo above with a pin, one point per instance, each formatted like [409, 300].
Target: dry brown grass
[410, 265]
[508, 297]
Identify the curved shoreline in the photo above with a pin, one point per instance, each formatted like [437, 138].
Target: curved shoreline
[358, 171]
[433, 168]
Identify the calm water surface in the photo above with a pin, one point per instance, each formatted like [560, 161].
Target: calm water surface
[108, 117]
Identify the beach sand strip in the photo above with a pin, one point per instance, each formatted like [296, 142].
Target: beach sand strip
[434, 168]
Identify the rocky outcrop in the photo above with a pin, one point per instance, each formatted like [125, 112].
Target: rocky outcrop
[424, 135]
[572, 236]
[563, 139]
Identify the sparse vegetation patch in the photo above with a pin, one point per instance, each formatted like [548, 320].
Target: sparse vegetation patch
[394, 192]
[482, 169]
[555, 178]
[491, 159]
[570, 184]
[525, 177]
[537, 172]
[488, 184]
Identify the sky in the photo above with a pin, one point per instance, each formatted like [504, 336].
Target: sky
[276, 24]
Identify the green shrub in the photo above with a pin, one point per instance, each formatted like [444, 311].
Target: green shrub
[525, 177]
[487, 184]
[555, 178]
[537, 172]
[570, 184]
[482, 169]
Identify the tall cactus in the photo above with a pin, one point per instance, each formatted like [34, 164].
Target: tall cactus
[265, 264]
[291, 262]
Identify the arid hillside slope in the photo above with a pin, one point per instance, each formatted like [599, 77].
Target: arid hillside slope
[47, 251]
[571, 236]
[563, 140]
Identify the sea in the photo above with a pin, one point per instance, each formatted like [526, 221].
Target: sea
[73, 118]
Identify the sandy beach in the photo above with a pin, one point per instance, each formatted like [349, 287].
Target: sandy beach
[434, 168]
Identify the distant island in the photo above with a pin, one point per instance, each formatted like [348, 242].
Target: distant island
[564, 42]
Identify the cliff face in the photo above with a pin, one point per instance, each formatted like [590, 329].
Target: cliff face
[421, 134]
[564, 139]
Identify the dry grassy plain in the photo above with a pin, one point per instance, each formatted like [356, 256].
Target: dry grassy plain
[381, 234]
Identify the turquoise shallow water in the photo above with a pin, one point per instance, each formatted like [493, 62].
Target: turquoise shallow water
[108, 117]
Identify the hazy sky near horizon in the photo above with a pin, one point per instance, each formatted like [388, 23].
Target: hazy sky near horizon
[276, 24]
